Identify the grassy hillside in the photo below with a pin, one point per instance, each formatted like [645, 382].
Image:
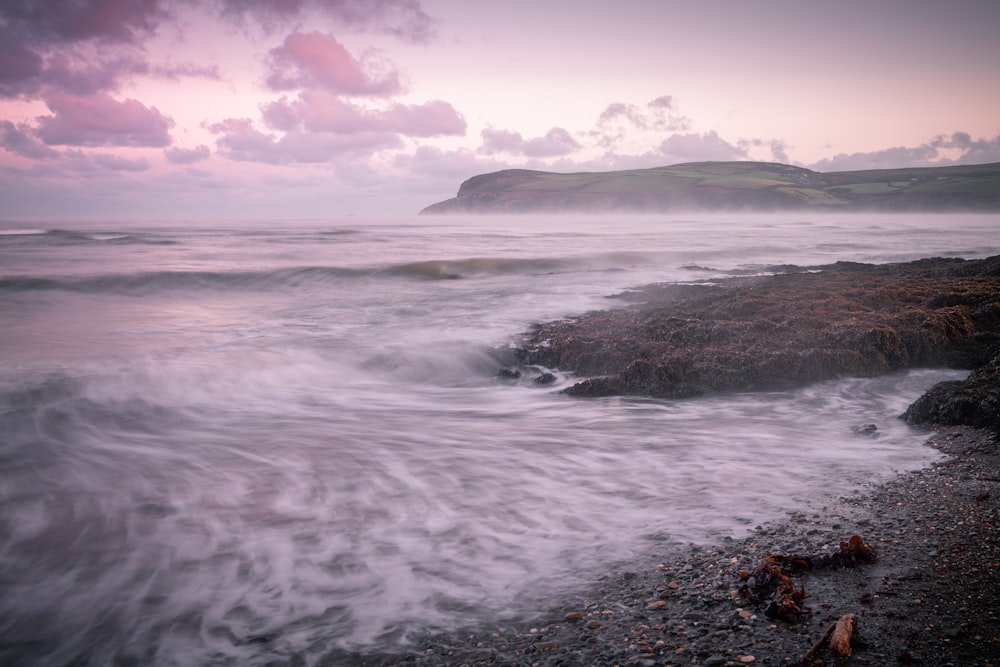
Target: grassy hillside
[729, 186]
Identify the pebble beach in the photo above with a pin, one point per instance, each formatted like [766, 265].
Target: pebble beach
[930, 599]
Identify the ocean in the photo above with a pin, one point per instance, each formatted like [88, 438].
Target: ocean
[231, 443]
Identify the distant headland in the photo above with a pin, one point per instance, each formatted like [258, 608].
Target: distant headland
[729, 186]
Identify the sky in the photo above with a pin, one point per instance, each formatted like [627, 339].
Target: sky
[231, 109]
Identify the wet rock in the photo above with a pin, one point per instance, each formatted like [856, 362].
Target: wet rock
[781, 331]
[545, 378]
[974, 401]
[871, 430]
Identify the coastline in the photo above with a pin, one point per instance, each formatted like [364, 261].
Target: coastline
[930, 599]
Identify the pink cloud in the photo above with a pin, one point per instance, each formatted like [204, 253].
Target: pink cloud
[318, 111]
[445, 167]
[187, 155]
[100, 120]
[188, 70]
[619, 110]
[698, 147]
[431, 119]
[314, 60]
[240, 140]
[972, 151]
[556, 142]
[619, 120]
[663, 102]
[116, 163]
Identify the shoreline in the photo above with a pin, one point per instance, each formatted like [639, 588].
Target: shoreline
[932, 597]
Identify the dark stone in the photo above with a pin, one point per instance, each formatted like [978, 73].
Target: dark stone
[974, 401]
[545, 378]
[871, 430]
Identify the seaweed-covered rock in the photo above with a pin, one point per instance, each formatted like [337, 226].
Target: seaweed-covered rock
[781, 331]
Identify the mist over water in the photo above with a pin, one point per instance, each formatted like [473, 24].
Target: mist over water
[231, 443]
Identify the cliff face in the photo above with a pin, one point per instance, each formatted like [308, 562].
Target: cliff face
[752, 186]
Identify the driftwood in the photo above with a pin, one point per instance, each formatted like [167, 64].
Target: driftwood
[843, 633]
[840, 633]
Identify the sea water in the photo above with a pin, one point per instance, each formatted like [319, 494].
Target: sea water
[236, 442]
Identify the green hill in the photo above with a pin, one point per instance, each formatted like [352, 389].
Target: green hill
[751, 186]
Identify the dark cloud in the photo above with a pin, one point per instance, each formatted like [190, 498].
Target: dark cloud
[20, 65]
[89, 46]
[20, 140]
[187, 155]
[61, 21]
[77, 76]
[404, 19]
[100, 120]
[556, 142]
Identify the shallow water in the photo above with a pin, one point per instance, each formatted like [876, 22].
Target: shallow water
[228, 443]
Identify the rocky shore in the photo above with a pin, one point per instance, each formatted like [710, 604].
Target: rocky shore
[925, 590]
[780, 331]
[932, 597]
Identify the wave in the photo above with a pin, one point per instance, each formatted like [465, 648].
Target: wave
[151, 282]
[316, 276]
[64, 237]
[473, 267]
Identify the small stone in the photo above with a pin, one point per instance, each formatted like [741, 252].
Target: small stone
[574, 616]
[546, 646]
[672, 585]
[659, 604]
[715, 660]
[745, 614]
[746, 659]
[593, 625]
[918, 601]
